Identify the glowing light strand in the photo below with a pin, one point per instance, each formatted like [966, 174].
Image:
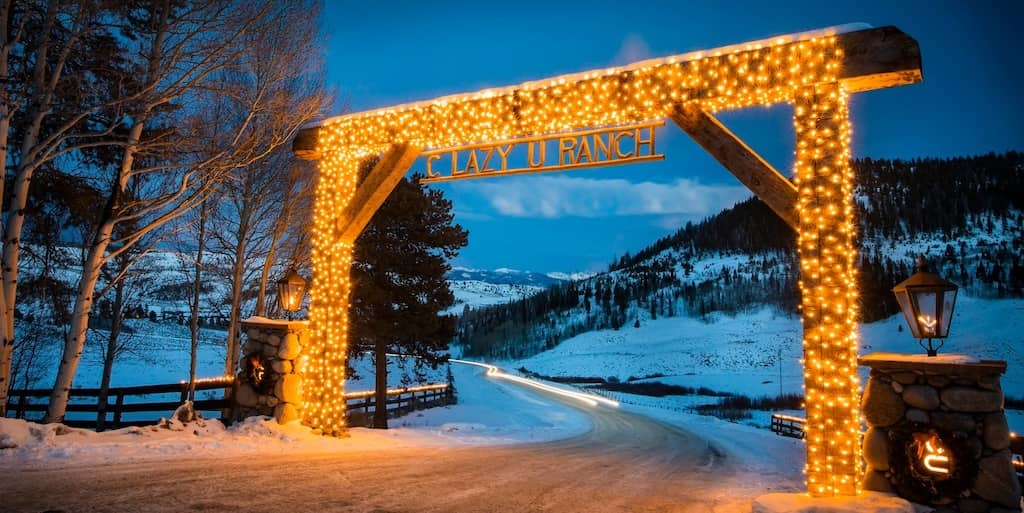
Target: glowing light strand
[323, 365]
[828, 288]
[754, 74]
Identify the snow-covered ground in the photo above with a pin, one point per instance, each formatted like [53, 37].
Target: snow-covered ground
[741, 354]
[474, 293]
[489, 412]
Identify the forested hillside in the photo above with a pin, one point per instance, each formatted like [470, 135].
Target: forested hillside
[964, 214]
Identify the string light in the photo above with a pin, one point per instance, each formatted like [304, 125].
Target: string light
[323, 364]
[784, 70]
[824, 181]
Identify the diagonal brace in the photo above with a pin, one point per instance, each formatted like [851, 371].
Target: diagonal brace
[375, 188]
[753, 171]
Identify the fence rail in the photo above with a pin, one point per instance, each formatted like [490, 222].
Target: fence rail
[788, 425]
[19, 402]
[360, 405]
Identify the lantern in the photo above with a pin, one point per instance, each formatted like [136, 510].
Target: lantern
[927, 303]
[290, 290]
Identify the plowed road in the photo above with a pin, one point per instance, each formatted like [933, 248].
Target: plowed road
[625, 463]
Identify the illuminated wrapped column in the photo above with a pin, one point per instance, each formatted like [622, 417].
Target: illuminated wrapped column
[828, 290]
[324, 360]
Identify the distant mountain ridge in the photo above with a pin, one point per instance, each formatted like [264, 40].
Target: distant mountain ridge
[475, 288]
[504, 276]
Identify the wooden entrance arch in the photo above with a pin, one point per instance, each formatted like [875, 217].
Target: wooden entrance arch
[816, 72]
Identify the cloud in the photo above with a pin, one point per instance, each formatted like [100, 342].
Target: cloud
[560, 196]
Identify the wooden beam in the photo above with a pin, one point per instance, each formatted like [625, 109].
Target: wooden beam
[753, 171]
[375, 188]
[878, 58]
[304, 145]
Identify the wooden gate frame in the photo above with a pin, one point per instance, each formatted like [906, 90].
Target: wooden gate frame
[815, 72]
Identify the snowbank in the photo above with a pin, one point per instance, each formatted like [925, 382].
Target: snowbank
[488, 413]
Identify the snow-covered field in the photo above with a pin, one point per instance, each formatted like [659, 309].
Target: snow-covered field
[741, 354]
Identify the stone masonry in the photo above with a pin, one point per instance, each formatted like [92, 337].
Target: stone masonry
[960, 399]
[275, 389]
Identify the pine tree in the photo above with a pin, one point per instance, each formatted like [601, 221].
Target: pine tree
[399, 286]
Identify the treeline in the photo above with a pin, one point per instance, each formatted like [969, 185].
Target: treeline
[965, 212]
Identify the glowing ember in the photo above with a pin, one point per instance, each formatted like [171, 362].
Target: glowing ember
[256, 370]
[932, 453]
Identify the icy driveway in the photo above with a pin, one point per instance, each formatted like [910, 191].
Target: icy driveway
[626, 462]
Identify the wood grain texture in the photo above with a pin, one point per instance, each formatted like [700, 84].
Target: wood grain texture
[375, 188]
[878, 58]
[305, 145]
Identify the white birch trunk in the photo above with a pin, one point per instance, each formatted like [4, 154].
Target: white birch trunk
[197, 286]
[75, 341]
[235, 320]
[6, 317]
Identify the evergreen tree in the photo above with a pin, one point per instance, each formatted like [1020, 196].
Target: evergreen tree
[399, 287]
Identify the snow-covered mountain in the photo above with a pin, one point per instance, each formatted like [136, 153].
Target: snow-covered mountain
[504, 276]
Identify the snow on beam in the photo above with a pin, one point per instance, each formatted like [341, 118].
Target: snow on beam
[872, 58]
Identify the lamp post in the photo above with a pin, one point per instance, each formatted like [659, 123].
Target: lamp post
[927, 303]
[289, 292]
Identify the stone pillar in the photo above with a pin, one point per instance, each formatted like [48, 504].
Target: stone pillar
[269, 380]
[947, 408]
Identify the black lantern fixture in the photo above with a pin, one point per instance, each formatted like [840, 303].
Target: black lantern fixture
[290, 290]
[927, 303]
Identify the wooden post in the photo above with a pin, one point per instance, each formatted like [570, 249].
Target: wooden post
[828, 287]
[101, 412]
[343, 207]
[117, 409]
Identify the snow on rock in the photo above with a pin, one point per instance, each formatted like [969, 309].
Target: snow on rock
[866, 502]
[955, 359]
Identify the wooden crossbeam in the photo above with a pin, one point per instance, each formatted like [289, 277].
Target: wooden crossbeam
[305, 144]
[879, 58]
[375, 188]
[753, 171]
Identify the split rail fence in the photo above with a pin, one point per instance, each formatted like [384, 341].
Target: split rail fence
[129, 406]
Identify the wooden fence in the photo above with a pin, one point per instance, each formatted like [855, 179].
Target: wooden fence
[787, 425]
[361, 406]
[24, 402]
[32, 403]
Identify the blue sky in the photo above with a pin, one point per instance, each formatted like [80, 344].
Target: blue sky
[385, 53]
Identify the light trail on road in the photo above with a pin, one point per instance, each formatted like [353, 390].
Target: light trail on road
[494, 371]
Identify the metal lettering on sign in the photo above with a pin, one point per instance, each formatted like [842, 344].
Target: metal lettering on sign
[590, 148]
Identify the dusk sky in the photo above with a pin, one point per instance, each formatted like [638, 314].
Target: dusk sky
[386, 53]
